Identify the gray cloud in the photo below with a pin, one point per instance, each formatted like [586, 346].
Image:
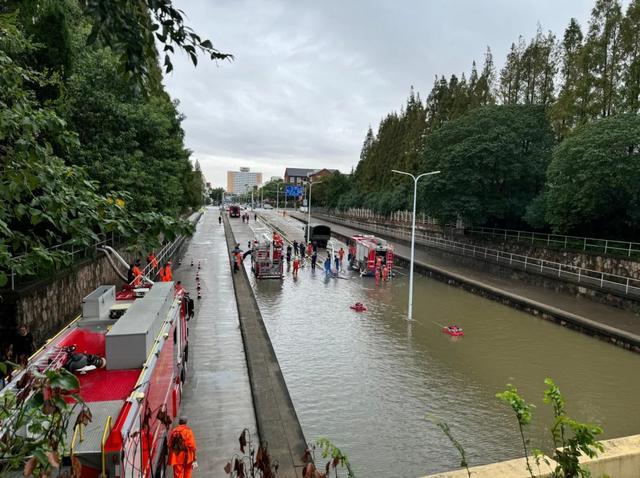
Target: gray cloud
[309, 77]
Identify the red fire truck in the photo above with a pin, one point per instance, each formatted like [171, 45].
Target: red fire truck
[234, 211]
[370, 252]
[266, 256]
[138, 339]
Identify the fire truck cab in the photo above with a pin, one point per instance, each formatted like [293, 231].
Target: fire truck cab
[234, 211]
[369, 253]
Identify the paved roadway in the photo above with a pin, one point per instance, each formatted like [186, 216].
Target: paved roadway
[623, 320]
[217, 394]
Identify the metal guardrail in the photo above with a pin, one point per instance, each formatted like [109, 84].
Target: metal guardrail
[72, 251]
[579, 275]
[605, 246]
[76, 253]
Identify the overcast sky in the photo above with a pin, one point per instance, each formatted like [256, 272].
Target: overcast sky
[309, 77]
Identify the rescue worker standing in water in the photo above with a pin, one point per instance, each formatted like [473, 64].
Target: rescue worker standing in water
[182, 450]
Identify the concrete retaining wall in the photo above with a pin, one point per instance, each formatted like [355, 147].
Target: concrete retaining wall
[621, 459]
[47, 306]
[276, 417]
[607, 264]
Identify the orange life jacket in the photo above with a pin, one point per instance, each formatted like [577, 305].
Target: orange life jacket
[137, 276]
[182, 446]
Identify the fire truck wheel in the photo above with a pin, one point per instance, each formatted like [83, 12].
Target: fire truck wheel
[183, 374]
[186, 353]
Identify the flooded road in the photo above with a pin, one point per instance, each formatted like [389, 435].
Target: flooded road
[367, 380]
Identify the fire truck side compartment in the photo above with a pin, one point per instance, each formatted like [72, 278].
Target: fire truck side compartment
[97, 304]
[130, 340]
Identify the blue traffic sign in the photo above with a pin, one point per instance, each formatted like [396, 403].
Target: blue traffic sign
[293, 191]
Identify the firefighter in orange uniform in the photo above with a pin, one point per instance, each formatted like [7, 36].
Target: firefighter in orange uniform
[151, 259]
[165, 273]
[137, 275]
[182, 450]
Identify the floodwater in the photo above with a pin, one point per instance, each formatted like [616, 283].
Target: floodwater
[367, 380]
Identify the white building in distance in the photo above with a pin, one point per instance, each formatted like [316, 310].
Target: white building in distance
[239, 182]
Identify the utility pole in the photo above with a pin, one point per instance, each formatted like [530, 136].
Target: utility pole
[413, 232]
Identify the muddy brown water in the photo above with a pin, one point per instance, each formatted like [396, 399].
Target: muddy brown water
[367, 380]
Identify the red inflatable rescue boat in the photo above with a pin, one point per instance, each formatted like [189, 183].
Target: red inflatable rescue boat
[453, 330]
[358, 307]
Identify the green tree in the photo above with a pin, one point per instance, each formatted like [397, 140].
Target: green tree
[570, 108]
[529, 71]
[127, 141]
[484, 88]
[511, 87]
[493, 161]
[436, 103]
[592, 181]
[216, 195]
[44, 201]
[132, 28]
[539, 69]
[605, 55]
[630, 33]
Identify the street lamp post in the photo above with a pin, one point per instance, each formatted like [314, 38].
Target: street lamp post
[309, 208]
[247, 187]
[277, 197]
[413, 233]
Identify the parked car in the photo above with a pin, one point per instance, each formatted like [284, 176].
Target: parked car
[267, 206]
[304, 209]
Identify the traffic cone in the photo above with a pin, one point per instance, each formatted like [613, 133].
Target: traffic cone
[191, 262]
[179, 262]
[198, 265]
[199, 295]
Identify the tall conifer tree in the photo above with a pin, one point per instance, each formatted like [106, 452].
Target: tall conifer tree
[605, 58]
[631, 46]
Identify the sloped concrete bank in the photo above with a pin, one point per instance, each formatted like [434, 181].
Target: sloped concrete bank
[276, 418]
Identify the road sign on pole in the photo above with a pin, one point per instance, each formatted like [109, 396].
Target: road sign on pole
[293, 191]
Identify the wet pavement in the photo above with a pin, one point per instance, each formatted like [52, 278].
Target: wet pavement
[217, 394]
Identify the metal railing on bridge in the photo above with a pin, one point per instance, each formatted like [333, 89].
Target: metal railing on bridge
[589, 244]
[578, 275]
[73, 254]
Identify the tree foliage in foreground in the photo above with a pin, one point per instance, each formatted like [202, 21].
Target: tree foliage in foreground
[132, 29]
[46, 199]
[594, 178]
[36, 419]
